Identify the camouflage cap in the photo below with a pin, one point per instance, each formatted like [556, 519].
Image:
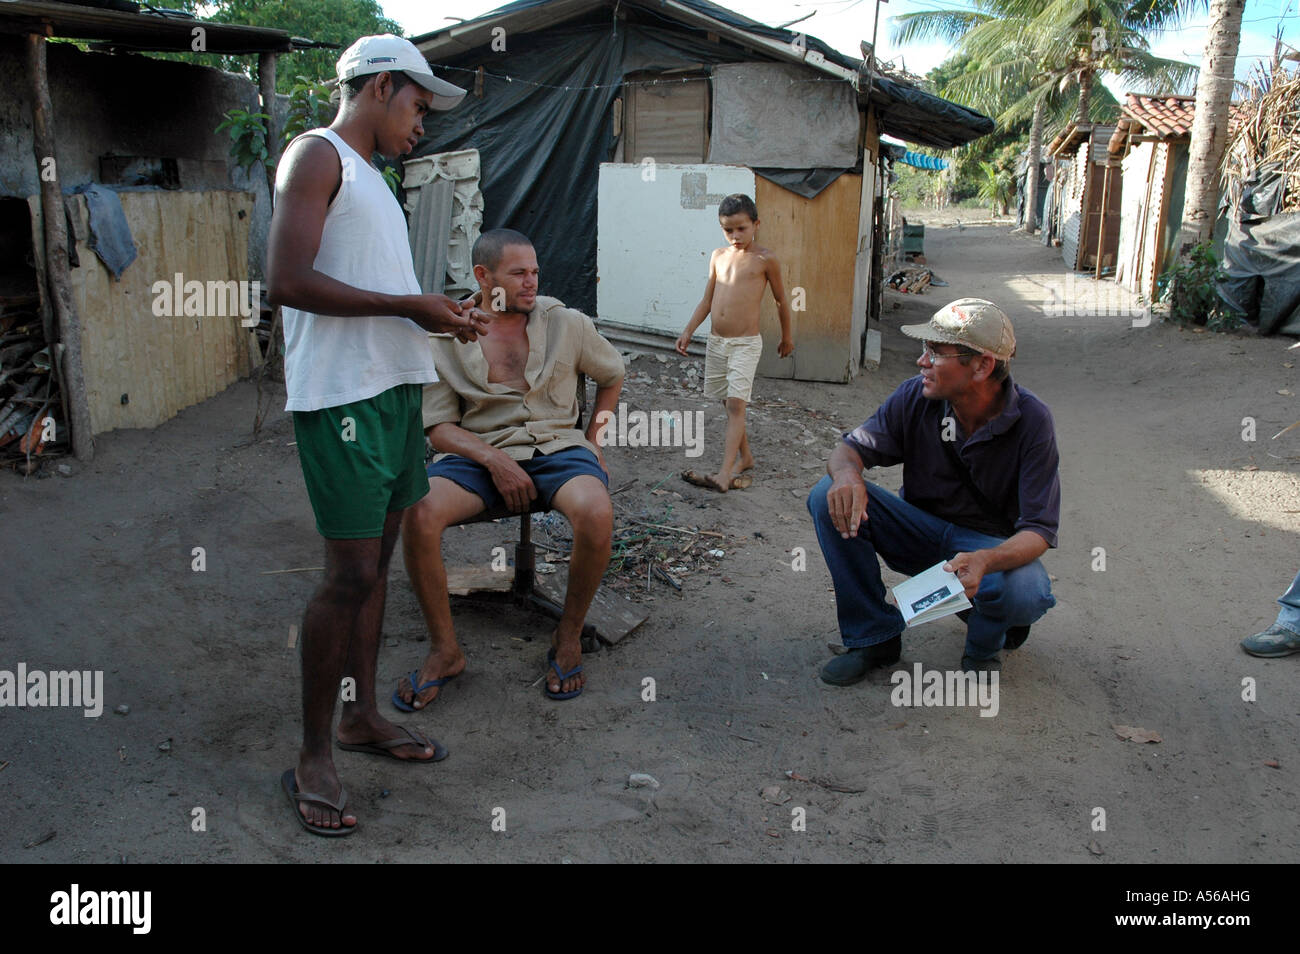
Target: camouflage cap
[972, 322]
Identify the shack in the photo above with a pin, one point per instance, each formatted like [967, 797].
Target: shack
[127, 284]
[1083, 212]
[1151, 142]
[609, 130]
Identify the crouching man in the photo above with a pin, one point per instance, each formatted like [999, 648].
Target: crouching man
[980, 491]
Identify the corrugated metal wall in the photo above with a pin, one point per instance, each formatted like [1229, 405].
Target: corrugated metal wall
[1149, 262]
[1137, 165]
[1072, 206]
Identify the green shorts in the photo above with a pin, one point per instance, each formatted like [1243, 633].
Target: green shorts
[362, 461]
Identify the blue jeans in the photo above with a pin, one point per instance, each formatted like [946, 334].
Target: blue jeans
[910, 540]
[1289, 616]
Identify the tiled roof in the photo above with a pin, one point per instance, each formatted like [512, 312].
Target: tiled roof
[1167, 116]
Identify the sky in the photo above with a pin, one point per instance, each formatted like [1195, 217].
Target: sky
[844, 23]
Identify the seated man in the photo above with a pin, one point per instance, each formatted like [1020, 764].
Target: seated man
[980, 490]
[504, 413]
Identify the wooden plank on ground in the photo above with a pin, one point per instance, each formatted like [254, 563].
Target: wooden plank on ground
[464, 580]
[612, 616]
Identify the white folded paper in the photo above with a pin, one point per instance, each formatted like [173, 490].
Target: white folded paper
[931, 595]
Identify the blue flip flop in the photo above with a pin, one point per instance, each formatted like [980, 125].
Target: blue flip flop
[402, 705]
[550, 657]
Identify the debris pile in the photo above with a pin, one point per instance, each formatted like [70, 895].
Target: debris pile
[652, 548]
[31, 415]
[1265, 134]
[913, 280]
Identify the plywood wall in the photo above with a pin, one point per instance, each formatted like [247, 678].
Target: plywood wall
[1133, 213]
[656, 229]
[1158, 179]
[816, 242]
[161, 364]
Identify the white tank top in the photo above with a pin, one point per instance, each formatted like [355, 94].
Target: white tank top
[331, 360]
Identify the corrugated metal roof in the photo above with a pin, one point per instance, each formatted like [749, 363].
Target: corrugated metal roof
[144, 32]
[903, 110]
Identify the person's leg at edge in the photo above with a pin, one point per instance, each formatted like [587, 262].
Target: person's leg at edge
[1288, 617]
[328, 630]
[584, 501]
[1283, 637]
[446, 504]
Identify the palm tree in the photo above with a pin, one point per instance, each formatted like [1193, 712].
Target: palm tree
[1030, 53]
[1210, 123]
[997, 188]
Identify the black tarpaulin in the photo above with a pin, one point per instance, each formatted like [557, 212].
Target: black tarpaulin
[1261, 256]
[541, 145]
[805, 182]
[905, 112]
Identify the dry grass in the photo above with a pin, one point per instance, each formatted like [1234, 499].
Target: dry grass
[1267, 131]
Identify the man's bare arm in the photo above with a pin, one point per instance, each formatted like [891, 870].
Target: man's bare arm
[602, 409]
[1016, 551]
[847, 497]
[297, 224]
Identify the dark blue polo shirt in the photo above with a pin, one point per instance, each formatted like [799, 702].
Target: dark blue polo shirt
[1012, 459]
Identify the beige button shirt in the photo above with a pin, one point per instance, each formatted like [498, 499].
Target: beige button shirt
[561, 343]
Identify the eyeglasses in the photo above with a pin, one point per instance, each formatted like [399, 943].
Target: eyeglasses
[927, 350]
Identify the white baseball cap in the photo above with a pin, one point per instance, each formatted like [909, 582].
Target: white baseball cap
[386, 53]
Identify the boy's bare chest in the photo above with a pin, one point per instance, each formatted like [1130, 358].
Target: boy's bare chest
[740, 270]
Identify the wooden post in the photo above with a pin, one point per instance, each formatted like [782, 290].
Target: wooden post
[266, 87]
[57, 276]
[1101, 221]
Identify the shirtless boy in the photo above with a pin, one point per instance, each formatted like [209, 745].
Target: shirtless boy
[737, 276]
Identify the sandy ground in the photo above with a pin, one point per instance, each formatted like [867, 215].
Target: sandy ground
[1199, 529]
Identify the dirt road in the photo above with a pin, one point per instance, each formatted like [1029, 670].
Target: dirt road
[1199, 530]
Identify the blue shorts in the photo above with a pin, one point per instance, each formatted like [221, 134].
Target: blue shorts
[548, 472]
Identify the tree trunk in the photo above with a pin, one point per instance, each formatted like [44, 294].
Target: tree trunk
[1031, 176]
[1085, 94]
[266, 86]
[67, 351]
[1210, 125]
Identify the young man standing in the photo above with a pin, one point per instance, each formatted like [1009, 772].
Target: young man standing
[357, 357]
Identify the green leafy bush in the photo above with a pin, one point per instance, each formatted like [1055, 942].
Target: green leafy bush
[309, 108]
[247, 137]
[1191, 293]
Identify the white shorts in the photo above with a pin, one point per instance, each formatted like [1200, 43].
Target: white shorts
[730, 365]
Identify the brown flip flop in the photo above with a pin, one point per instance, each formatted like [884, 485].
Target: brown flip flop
[289, 782]
[739, 482]
[386, 747]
